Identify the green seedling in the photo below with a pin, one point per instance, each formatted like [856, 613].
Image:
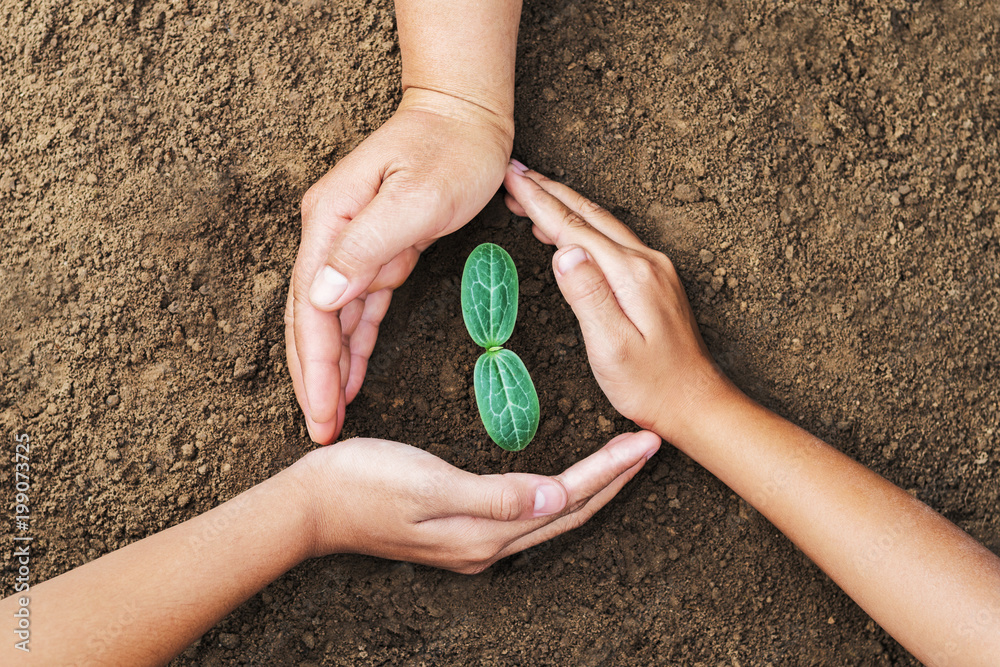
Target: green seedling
[505, 394]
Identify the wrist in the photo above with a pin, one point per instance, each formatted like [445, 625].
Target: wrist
[708, 395]
[299, 484]
[461, 107]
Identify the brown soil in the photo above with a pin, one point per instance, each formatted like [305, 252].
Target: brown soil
[838, 161]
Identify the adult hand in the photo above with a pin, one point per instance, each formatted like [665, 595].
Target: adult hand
[425, 173]
[642, 338]
[394, 501]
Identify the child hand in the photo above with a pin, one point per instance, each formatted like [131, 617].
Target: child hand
[642, 339]
[391, 500]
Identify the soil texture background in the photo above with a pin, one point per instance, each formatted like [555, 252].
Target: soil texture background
[824, 175]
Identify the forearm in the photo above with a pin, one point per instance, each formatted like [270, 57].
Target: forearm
[461, 48]
[930, 585]
[146, 602]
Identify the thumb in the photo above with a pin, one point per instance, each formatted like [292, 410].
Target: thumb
[588, 293]
[390, 224]
[508, 497]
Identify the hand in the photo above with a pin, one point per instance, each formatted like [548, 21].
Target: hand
[391, 500]
[425, 173]
[642, 338]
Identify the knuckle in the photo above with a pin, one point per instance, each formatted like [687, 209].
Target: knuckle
[309, 201]
[588, 207]
[580, 515]
[353, 249]
[480, 555]
[506, 504]
[585, 514]
[593, 291]
[643, 269]
[573, 220]
[471, 568]
[618, 350]
[300, 282]
[665, 264]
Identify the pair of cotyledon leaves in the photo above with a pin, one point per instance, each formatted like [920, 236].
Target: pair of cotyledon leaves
[505, 394]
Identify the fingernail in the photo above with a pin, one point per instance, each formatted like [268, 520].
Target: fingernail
[548, 499]
[327, 287]
[571, 258]
[518, 166]
[650, 436]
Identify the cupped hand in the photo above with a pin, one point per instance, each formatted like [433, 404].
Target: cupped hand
[395, 501]
[425, 173]
[642, 338]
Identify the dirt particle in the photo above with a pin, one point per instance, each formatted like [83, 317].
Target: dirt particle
[596, 60]
[603, 424]
[243, 369]
[453, 386]
[706, 256]
[687, 193]
[112, 400]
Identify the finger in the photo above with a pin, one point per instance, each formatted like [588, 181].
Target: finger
[345, 362]
[518, 210]
[574, 519]
[317, 336]
[560, 224]
[394, 221]
[540, 235]
[527, 193]
[504, 498]
[591, 297]
[318, 344]
[592, 212]
[514, 206]
[393, 274]
[320, 433]
[589, 476]
[364, 337]
[350, 316]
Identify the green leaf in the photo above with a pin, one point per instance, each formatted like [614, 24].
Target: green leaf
[489, 295]
[508, 403]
